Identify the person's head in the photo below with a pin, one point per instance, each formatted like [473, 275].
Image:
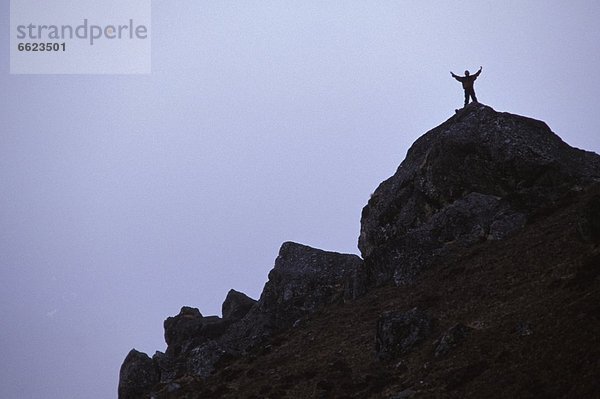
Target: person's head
[467, 73]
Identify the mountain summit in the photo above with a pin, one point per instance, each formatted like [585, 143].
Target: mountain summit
[479, 277]
[481, 175]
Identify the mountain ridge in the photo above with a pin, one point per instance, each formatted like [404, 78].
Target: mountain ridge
[430, 238]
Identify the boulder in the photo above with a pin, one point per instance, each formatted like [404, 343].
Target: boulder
[398, 333]
[236, 305]
[194, 344]
[138, 375]
[305, 279]
[182, 329]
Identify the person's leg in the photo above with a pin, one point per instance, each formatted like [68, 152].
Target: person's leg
[473, 96]
[466, 97]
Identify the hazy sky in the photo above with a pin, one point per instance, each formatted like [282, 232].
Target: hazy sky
[124, 198]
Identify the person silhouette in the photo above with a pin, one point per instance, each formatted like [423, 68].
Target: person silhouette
[467, 83]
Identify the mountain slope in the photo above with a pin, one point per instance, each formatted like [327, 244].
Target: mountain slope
[480, 279]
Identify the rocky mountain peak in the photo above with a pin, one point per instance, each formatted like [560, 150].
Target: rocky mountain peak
[480, 175]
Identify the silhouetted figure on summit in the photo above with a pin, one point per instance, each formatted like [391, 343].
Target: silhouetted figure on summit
[467, 83]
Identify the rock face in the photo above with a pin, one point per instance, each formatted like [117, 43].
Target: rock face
[478, 176]
[303, 280]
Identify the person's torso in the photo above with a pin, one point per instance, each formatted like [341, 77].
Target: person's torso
[467, 82]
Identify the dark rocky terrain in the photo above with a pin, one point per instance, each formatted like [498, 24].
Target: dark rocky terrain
[479, 278]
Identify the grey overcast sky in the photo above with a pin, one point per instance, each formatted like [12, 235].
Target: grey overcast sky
[124, 198]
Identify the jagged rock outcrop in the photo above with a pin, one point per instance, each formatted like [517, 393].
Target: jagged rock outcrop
[138, 375]
[478, 176]
[193, 344]
[236, 305]
[303, 280]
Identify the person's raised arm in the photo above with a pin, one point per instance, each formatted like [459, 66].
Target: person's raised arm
[478, 72]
